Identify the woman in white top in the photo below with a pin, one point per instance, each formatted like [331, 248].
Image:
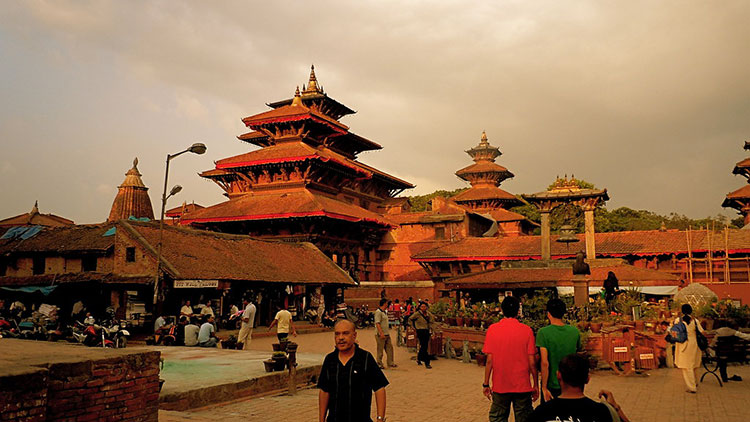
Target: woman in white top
[687, 354]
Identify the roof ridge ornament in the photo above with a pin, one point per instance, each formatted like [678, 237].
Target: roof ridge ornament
[312, 83]
[297, 101]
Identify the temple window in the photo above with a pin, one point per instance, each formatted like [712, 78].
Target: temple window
[439, 232]
[88, 263]
[130, 254]
[38, 265]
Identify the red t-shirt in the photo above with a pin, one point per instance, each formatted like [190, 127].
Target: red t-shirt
[510, 342]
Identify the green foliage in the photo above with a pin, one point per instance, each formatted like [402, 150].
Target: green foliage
[535, 309]
[440, 308]
[422, 202]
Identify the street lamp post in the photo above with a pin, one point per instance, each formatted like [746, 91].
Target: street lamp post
[196, 148]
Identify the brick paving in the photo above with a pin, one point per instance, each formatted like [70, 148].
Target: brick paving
[452, 392]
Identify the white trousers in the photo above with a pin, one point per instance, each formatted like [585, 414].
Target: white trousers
[244, 337]
[689, 375]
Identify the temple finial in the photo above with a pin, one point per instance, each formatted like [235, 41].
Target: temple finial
[35, 210]
[135, 162]
[312, 84]
[297, 101]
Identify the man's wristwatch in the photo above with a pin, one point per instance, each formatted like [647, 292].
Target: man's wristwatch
[486, 385]
[380, 418]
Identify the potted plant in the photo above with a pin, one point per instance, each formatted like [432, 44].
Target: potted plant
[476, 322]
[481, 358]
[450, 315]
[279, 361]
[269, 365]
[460, 317]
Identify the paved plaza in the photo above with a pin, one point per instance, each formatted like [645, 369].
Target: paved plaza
[452, 392]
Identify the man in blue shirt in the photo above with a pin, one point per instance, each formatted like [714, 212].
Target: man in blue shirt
[206, 335]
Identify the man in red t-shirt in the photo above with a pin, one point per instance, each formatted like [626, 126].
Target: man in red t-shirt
[512, 343]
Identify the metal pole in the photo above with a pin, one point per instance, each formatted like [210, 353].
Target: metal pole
[161, 234]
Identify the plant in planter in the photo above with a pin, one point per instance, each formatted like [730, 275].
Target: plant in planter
[279, 360]
[450, 315]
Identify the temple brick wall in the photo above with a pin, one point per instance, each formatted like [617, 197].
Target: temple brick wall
[67, 383]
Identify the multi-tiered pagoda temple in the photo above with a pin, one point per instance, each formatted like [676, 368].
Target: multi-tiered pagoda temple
[740, 199]
[304, 183]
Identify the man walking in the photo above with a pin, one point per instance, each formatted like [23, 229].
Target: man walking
[555, 341]
[382, 335]
[248, 320]
[284, 324]
[510, 350]
[348, 379]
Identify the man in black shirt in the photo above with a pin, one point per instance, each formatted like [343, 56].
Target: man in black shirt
[572, 405]
[347, 380]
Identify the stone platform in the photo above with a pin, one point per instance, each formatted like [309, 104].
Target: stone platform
[195, 377]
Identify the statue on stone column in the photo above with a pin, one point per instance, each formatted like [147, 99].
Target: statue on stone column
[580, 267]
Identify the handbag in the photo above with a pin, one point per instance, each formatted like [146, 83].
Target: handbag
[700, 338]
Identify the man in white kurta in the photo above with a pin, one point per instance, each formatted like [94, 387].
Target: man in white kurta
[687, 354]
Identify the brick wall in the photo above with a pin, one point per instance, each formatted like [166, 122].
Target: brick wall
[118, 389]
[123, 387]
[23, 395]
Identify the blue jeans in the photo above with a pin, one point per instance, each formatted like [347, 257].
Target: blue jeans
[500, 409]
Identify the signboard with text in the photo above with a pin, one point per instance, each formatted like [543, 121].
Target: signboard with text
[195, 284]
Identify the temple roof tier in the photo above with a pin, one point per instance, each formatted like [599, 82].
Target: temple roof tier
[299, 204]
[484, 151]
[484, 170]
[486, 193]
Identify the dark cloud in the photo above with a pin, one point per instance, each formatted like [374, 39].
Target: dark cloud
[650, 100]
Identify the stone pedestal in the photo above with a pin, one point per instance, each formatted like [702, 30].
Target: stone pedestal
[581, 290]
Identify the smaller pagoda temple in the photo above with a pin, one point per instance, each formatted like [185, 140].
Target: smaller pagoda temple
[485, 177]
[740, 199]
[132, 198]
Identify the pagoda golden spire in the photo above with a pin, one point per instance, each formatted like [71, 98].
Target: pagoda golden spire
[312, 83]
[297, 101]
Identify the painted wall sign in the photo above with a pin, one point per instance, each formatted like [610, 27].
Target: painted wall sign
[195, 284]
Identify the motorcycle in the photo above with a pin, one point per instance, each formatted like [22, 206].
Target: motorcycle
[92, 335]
[8, 328]
[117, 332]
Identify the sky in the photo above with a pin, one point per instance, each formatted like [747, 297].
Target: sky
[650, 100]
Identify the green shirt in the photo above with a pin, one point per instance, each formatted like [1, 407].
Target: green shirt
[560, 341]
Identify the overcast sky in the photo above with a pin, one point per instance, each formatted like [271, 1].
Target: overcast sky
[650, 100]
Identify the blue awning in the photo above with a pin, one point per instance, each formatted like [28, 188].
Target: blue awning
[45, 290]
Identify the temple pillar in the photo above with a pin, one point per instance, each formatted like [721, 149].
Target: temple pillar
[588, 214]
[546, 245]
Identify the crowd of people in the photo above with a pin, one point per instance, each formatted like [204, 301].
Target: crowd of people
[515, 376]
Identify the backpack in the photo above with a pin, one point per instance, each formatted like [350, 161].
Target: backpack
[677, 333]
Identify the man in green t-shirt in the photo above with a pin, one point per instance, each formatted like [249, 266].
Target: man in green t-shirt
[555, 341]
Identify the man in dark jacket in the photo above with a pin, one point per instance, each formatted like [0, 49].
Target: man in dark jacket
[348, 379]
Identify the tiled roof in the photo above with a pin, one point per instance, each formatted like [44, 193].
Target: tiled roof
[743, 192]
[478, 194]
[62, 239]
[545, 276]
[568, 194]
[36, 219]
[300, 151]
[301, 203]
[186, 208]
[484, 167]
[249, 136]
[199, 254]
[742, 164]
[293, 113]
[614, 244]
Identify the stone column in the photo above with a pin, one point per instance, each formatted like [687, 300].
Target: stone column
[546, 246]
[588, 214]
[580, 290]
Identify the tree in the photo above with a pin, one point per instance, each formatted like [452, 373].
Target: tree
[422, 202]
